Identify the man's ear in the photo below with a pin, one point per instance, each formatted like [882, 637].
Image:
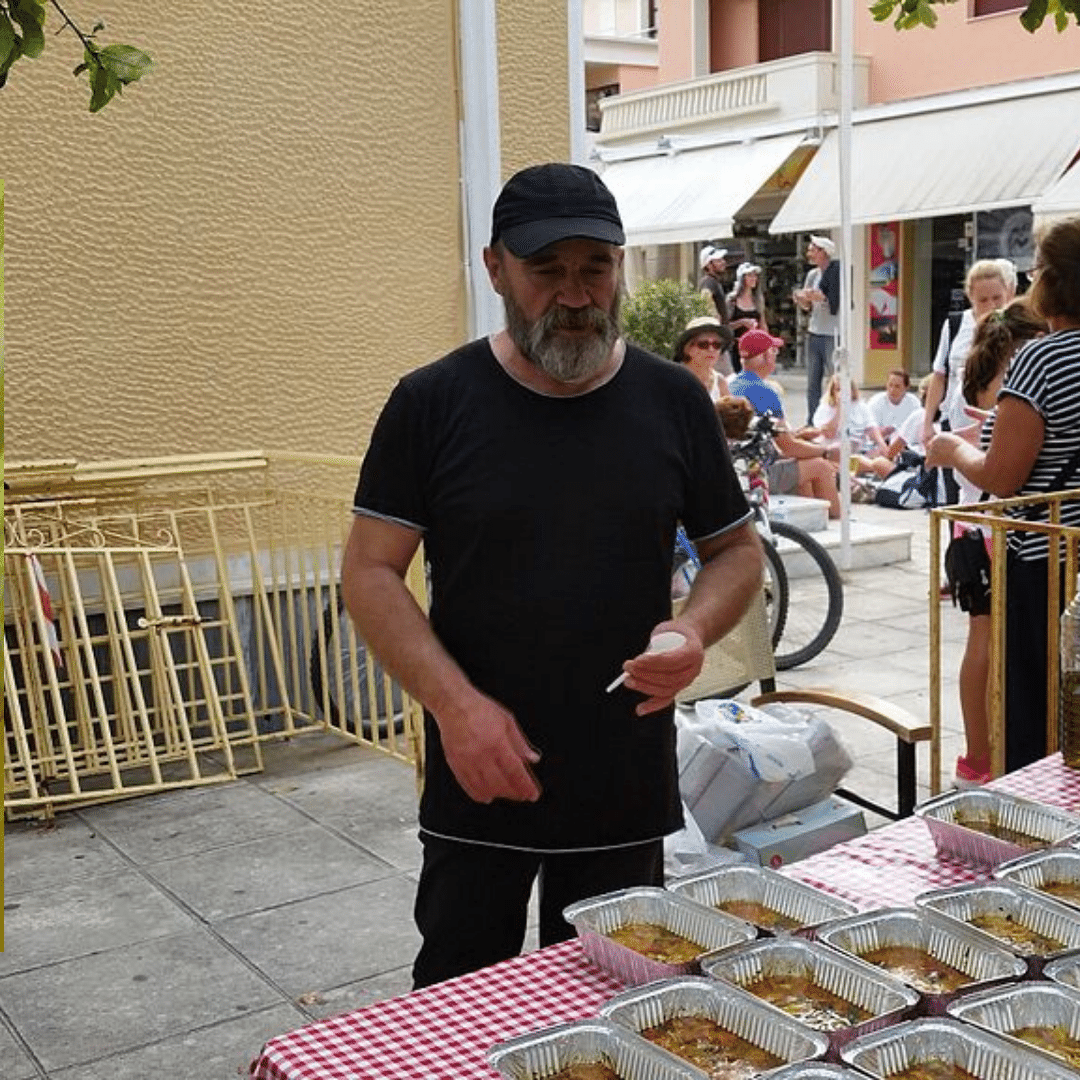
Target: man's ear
[494, 268]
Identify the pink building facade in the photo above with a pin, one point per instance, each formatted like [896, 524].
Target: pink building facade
[719, 123]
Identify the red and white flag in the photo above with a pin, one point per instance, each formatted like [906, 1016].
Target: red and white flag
[51, 635]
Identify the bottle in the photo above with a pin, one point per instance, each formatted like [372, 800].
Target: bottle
[1069, 692]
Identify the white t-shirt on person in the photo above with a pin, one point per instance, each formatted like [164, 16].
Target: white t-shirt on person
[887, 415]
[911, 431]
[952, 404]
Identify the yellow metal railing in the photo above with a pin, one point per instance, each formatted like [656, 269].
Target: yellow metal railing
[997, 517]
[165, 617]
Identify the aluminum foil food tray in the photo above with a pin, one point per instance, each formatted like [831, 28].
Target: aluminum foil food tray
[1032, 1004]
[543, 1053]
[944, 940]
[814, 1070]
[1024, 907]
[984, 1056]
[596, 917]
[809, 906]
[1065, 971]
[1046, 825]
[1035, 871]
[733, 1009]
[886, 998]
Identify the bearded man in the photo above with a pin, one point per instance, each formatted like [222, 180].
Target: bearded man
[545, 468]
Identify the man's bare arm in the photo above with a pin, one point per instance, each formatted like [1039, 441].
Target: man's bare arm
[484, 746]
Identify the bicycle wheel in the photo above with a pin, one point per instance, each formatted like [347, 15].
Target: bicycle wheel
[342, 686]
[776, 593]
[815, 596]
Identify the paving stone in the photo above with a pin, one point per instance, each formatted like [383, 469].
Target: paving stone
[15, 1063]
[268, 872]
[329, 941]
[182, 823]
[85, 916]
[38, 856]
[220, 1052]
[85, 1009]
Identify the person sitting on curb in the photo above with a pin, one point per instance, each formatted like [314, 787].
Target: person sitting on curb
[802, 467]
[890, 407]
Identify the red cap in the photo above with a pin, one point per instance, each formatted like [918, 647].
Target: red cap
[755, 342]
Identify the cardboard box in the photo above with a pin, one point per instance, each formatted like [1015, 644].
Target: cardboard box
[804, 832]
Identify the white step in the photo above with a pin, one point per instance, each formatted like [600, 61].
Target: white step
[871, 544]
[809, 514]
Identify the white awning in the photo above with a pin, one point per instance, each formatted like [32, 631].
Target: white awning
[934, 162]
[695, 194]
[1062, 199]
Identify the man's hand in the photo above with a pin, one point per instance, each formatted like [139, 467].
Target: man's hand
[487, 752]
[660, 676]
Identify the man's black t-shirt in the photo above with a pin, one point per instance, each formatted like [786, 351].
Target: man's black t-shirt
[549, 525]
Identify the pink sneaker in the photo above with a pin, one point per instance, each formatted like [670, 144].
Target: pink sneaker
[967, 777]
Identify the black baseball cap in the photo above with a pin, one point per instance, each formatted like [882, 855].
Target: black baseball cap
[546, 203]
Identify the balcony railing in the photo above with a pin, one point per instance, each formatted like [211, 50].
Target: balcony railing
[793, 88]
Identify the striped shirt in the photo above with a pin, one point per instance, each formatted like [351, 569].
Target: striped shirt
[1046, 375]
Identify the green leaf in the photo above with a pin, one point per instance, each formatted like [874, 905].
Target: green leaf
[926, 14]
[7, 36]
[104, 86]
[30, 15]
[882, 9]
[1031, 18]
[125, 62]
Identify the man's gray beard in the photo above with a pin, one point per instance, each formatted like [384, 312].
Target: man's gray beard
[567, 360]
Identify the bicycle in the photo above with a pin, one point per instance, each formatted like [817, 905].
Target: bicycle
[804, 595]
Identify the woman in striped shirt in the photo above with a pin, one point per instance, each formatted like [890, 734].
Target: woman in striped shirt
[1035, 448]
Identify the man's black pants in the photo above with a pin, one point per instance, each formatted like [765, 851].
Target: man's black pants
[472, 900]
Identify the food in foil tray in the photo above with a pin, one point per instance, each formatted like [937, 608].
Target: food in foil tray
[802, 998]
[758, 914]
[1063, 890]
[992, 827]
[1055, 1039]
[704, 1043]
[1004, 926]
[917, 968]
[591, 1070]
[657, 943]
[933, 1070]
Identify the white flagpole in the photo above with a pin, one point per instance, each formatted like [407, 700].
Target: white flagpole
[847, 291]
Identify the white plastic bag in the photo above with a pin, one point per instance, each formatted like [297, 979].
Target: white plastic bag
[739, 765]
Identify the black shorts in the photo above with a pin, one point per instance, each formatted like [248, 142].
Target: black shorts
[967, 567]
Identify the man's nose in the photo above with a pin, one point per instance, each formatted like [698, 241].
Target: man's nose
[573, 293]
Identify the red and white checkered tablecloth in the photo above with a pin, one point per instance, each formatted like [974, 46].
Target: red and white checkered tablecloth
[446, 1030]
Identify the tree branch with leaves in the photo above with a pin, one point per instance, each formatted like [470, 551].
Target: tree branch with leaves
[907, 14]
[109, 67]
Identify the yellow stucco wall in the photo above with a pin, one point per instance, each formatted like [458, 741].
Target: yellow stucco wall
[250, 247]
[533, 82]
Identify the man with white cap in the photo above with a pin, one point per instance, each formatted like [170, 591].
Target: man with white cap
[713, 261]
[545, 468]
[820, 296]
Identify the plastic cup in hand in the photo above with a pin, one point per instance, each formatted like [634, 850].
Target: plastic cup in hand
[665, 641]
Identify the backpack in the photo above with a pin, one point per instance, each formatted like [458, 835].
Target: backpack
[906, 489]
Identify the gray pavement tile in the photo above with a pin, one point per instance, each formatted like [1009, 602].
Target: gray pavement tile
[870, 639]
[373, 802]
[397, 843]
[882, 606]
[360, 994]
[38, 856]
[85, 1009]
[328, 941]
[267, 872]
[85, 916]
[183, 823]
[15, 1063]
[212, 1053]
